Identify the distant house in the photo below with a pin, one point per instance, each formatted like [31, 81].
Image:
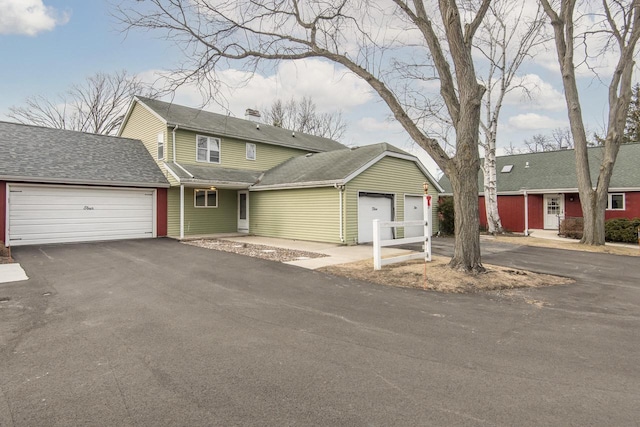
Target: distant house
[60, 186]
[538, 190]
[234, 175]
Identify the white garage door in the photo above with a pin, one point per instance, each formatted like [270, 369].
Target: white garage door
[413, 211]
[45, 214]
[370, 207]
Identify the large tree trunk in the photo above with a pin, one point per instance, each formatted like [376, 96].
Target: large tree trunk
[466, 251]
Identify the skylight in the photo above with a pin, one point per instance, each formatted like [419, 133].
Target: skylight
[506, 168]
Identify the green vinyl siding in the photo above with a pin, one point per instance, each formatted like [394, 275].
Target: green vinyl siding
[391, 176]
[145, 126]
[223, 219]
[304, 214]
[233, 152]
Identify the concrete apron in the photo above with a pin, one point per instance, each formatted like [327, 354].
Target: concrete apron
[12, 273]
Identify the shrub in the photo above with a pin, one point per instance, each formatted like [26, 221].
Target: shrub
[572, 228]
[622, 230]
[446, 215]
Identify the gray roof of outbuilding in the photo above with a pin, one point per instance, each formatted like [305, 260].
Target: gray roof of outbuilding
[217, 175]
[221, 125]
[39, 154]
[330, 167]
[556, 170]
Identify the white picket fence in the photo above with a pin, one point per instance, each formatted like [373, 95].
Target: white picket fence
[378, 243]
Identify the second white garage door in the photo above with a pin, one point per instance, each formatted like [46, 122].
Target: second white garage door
[374, 206]
[47, 214]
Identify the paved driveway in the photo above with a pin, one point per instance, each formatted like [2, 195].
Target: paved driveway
[155, 333]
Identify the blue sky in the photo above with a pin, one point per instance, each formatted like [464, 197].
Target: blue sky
[48, 45]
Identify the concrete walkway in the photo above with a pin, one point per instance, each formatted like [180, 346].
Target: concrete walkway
[336, 254]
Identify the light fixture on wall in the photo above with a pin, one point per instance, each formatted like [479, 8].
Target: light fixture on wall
[212, 188]
[425, 187]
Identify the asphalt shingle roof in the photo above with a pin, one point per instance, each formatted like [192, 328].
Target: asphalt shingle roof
[33, 154]
[219, 124]
[331, 166]
[215, 174]
[556, 170]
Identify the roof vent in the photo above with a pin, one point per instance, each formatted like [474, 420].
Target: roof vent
[308, 155]
[258, 126]
[526, 165]
[293, 134]
[506, 168]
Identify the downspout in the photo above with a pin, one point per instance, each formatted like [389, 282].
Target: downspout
[174, 152]
[526, 213]
[173, 149]
[340, 189]
[181, 211]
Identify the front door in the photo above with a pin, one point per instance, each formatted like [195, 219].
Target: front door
[553, 210]
[243, 211]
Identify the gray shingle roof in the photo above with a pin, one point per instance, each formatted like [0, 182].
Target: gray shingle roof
[332, 166]
[221, 125]
[215, 175]
[39, 154]
[556, 170]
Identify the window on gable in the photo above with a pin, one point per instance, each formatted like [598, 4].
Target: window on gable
[615, 202]
[160, 146]
[207, 149]
[251, 151]
[205, 198]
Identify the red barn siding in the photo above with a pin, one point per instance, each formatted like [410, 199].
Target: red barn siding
[631, 207]
[3, 209]
[572, 206]
[161, 212]
[511, 210]
[536, 211]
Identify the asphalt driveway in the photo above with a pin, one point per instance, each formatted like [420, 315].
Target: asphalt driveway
[155, 333]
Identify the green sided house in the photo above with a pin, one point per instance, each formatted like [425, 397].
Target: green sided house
[231, 175]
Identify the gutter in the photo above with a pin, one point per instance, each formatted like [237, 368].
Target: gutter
[10, 178]
[291, 186]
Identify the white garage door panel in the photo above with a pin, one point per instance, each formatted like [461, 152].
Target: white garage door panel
[41, 214]
[413, 211]
[370, 208]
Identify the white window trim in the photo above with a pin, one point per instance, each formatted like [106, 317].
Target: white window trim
[206, 198]
[255, 151]
[209, 139]
[160, 144]
[624, 201]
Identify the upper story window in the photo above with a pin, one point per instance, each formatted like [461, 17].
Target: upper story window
[161, 146]
[615, 202]
[251, 151]
[207, 149]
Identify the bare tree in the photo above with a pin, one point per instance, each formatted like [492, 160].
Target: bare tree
[619, 22]
[371, 40]
[301, 116]
[538, 143]
[562, 138]
[508, 36]
[98, 105]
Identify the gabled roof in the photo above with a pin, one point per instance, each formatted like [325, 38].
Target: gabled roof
[220, 125]
[556, 171]
[333, 167]
[220, 177]
[39, 154]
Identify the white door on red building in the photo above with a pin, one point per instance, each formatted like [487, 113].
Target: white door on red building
[553, 210]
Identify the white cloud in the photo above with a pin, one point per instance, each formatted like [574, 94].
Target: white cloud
[331, 88]
[28, 17]
[532, 92]
[371, 124]
[532, 121]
